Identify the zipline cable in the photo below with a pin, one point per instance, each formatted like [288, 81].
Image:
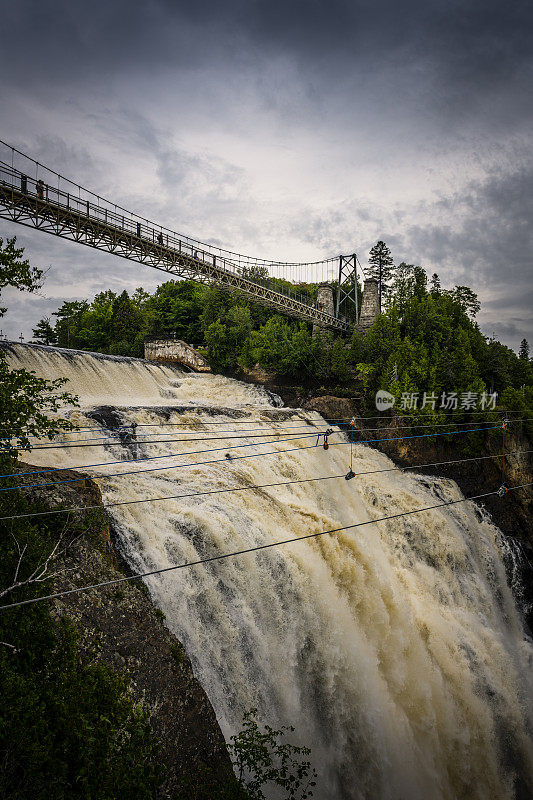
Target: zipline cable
[295, 437]
[118, 440]
[462, 412]
[136, 442]
[248, 550]
[251, 487]
[214, 461]
[241, 431]
[503, 456]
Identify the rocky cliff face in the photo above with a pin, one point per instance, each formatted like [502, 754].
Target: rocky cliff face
[120, 626]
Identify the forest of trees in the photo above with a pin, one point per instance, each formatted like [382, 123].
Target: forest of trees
[425, 340]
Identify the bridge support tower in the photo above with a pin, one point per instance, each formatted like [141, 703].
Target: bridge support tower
[369, 306]
[347, 297]
[324, 302]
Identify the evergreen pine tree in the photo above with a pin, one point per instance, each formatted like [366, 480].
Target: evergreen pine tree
[124, 319]
[43, 333]
[380, 266]
[523, 353]
[435, 284]
[69, 317]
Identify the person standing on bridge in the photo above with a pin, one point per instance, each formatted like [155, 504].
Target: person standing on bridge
[39, 186]
[160, 238]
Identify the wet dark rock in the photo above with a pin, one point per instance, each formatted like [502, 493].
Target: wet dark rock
[330, 407]
[109, 417]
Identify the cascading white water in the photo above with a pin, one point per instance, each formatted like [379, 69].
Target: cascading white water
[395, 649]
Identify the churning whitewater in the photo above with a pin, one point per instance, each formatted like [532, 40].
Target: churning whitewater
[394, 649]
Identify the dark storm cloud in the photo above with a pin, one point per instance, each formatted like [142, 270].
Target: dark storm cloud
[486, 227]
[486, 30]
[464, 50]
[485, 240]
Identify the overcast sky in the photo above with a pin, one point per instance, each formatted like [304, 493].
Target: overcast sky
[290, 130]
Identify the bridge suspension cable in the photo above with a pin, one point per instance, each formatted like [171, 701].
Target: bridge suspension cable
[37, 196]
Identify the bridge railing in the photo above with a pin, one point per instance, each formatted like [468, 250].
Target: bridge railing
[26, 176]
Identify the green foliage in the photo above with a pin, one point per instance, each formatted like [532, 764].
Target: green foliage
[464, 297]
[425, 340]
[125, 319]
[435, 284]
[68, 726]
[16, 271]
[380, 267]
[366, 372]
[177, 653]
[284, 348]
[43, 332]
[262, 761]
[25, 399]
[519, 400]
[523, 353]
[218, 346]
[271, 345]
[403, 285]
[332, 358]
[303, 354]
[25, 402]
[255, 272]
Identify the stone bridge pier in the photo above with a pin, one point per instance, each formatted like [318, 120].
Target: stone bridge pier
[369, 306]
[324, 302]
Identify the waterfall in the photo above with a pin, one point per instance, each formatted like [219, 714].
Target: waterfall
[395, 649]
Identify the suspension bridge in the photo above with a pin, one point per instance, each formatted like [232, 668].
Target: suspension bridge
[38, 197]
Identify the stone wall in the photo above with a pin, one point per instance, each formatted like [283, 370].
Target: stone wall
[174, 351]
[369, 306]
[324, 302]
[325, 298]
